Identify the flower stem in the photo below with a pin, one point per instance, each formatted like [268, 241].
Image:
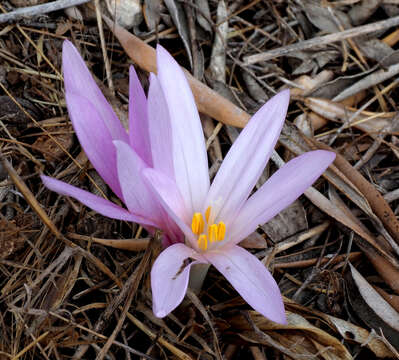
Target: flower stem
[197, 276]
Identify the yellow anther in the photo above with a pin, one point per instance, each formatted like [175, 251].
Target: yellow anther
[197, 224]
[221, 231]
[213, 233]
[202, 242]
[208, 214]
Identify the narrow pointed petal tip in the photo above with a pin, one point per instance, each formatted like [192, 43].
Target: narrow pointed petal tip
[78, 80]
[281, 190]
[96, 203]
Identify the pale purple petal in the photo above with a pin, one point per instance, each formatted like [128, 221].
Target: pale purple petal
[282, 189]
[95, 139]
[160, 129]
[251, 279]
[169, 277]
[169, 196]
[78, 80]
[138, 121]
[189, 152]
[96, 203]
[139, 197]
[247, 158]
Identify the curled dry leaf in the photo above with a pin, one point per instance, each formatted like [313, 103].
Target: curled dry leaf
[297, 331]
[361, 336]
[371, 307]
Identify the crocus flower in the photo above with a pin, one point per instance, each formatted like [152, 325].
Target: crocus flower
[215, 218]
[119, 157]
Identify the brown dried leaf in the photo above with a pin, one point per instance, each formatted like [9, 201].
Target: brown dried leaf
[333, 348]
[254, 241]
[354, 333]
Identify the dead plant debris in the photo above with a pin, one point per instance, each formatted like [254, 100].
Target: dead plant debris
[74, 284]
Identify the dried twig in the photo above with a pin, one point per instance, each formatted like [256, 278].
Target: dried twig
[40, 9]
[132, 286]
[322, 40]
[103, 49]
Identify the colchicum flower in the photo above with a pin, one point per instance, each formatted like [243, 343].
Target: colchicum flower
[215, 218]
[160, 171]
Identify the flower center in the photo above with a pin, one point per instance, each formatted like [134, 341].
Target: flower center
[206, 230]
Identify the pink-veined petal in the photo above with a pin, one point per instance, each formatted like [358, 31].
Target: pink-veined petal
[171, 200]
[189, 152]
[95, 139]
[139, 197]
[251, 279]
[247, 158]
[160, 129]
[283, 188]
[96, 203]
[78, 80]
[138, 120]
[169, 277]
